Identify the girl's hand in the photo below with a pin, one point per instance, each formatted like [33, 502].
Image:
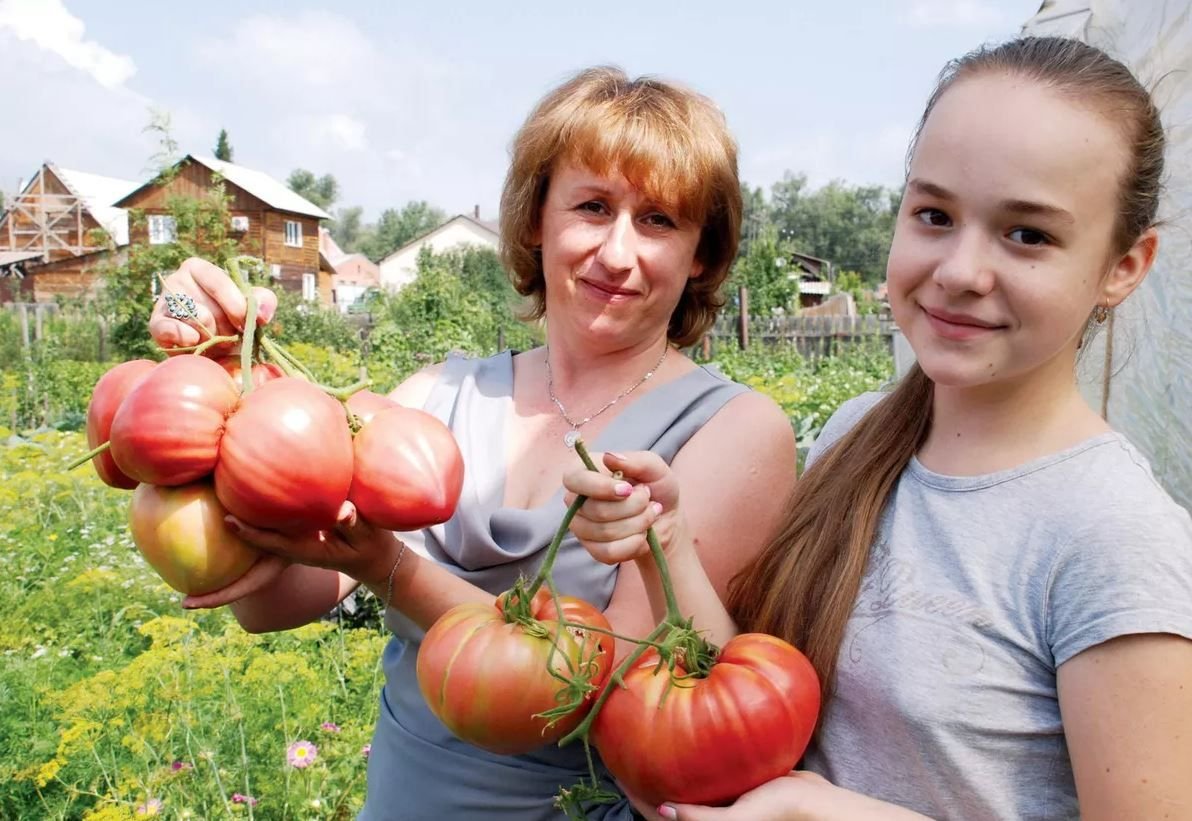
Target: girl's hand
[219, 304]
[799, 796]
[612, 523]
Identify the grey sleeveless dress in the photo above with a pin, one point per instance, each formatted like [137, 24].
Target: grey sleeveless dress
[417, 770]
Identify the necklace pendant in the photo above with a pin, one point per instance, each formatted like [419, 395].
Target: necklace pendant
[570, 438]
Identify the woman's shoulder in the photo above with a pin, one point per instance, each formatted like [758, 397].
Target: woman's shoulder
[842, 421]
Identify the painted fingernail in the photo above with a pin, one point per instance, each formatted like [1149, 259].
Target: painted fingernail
[667, 811]
[622, 488]
[656, 507]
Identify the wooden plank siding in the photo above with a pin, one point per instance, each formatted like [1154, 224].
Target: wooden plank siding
[266, 234]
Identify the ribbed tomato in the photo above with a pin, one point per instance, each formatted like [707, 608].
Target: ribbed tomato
[181, 533]
[109, 392]
[709, 740]
[408, 471]
[167, 430]
[487, 679]
[285, 462]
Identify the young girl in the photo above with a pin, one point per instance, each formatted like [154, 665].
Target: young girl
[996, 592]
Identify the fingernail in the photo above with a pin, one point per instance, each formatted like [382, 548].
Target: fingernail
[617, 456]
[656, 507]
[667, 811]
[622, 488]
[232, 524]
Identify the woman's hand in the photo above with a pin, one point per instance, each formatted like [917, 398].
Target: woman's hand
[799, 796]
[220, 306]
[354, 547]
[612, 523]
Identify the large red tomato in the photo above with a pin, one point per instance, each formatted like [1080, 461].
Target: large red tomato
[408, 470]
[487, 679]
[181, 533]
[709, 740]
[109, 392]
[285, 462]
[167, 430]
[262, 372]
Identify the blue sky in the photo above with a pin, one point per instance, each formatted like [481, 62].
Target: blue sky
[408, 100]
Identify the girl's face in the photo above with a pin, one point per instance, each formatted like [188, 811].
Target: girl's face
[615, 262]
[1003, 243]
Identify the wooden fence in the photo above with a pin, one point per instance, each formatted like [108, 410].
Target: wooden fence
[32, 317]
[814, 336]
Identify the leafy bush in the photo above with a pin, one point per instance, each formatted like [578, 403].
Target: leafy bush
[44, 390]
[118, 703]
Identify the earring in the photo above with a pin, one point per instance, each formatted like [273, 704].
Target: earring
[1100, 314]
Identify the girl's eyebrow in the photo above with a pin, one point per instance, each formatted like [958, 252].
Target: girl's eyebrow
[1023, 207]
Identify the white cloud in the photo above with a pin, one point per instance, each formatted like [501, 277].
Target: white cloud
[952, 13]
[49, 25]
[342, 131]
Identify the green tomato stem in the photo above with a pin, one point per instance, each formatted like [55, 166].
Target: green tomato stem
[89, 455]
[250, 325]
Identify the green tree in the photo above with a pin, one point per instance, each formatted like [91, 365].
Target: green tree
[755, 216]
[849, 225]
[223, 149]
[348, 228]
[850, 282]
[166, 155]
[765, 272]
[322, 191]
[397, 227]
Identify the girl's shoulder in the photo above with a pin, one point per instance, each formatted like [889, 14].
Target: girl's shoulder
[842, 421]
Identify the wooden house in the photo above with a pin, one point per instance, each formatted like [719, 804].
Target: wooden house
[58, 233]
[268, 219]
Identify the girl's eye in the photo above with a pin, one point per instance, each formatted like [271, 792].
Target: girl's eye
[1029, 236]
[933, 217]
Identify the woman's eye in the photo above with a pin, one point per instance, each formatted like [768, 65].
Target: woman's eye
[658, 220]
[933, 217]
[1029, 236]
[591, 206]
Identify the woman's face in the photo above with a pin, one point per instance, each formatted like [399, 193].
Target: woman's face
[615, 262]
[1004, 238]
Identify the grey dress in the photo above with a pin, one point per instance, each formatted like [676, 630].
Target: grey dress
[417, 770]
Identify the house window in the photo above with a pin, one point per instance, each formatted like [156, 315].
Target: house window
[294, 233]
[161, 229]
[239, 224]
[275, 270]
[310, 289]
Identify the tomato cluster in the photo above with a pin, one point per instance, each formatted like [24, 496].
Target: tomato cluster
[282, 456]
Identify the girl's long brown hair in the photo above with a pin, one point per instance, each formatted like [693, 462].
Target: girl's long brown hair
[804, 584]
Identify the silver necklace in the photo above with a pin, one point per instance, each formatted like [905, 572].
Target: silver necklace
[572, 435]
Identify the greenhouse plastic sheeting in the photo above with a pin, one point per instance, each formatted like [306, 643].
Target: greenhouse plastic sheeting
[1138, 369]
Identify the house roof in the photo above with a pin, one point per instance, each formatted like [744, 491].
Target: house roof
[488, 227]
[99, 194]
[263, 187]
[258, 183]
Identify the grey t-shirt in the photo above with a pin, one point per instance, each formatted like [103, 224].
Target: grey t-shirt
[977, 589]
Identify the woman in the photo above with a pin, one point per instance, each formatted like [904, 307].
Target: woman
[619, 220]
[994, 589]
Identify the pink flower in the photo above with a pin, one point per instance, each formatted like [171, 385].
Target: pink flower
[149, 808]
[177, 766]
[329, 727]
[301, 753]
[240, 798]
[366, 750]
